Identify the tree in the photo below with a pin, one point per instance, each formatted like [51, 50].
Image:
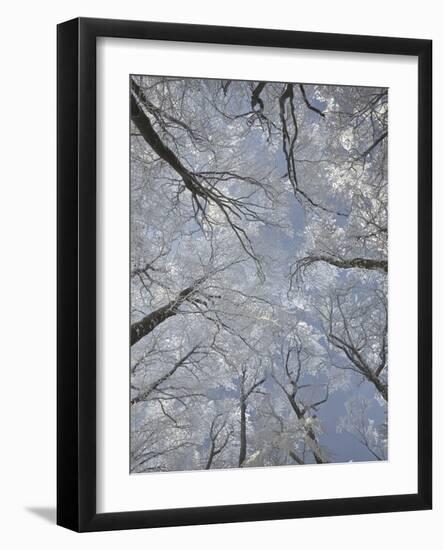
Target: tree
[297, 358]
[248, 385]
[359, 424]
[219, 436]
[237, 361]
[358, 329]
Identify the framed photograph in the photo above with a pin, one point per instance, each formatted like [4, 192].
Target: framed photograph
[244, 245]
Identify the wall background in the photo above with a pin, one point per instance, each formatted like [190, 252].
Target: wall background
[27, 287]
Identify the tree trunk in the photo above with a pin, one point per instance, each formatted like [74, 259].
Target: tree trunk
[310, 435]
[210, 458]
[296, 458]
[381, 388]
[141, 328]
[144, 126]
[360, 263]
[242, 454]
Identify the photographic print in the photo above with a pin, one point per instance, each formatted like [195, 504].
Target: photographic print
[258, 274]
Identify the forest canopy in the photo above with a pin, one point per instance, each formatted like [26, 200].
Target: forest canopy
[259, 315]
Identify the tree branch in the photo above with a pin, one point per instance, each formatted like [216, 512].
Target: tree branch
[308, 105]
[376, 142]
[347, 263]
[141, 328]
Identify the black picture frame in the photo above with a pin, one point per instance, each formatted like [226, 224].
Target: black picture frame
[77, 249]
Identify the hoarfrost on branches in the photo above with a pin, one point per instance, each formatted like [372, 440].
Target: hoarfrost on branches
[259, 318]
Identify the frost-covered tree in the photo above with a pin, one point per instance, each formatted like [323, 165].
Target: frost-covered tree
[259, 326]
